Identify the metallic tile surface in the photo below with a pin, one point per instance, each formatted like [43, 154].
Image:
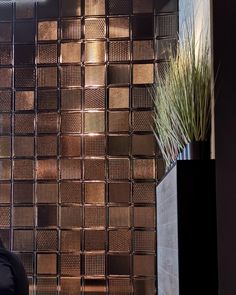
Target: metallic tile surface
[78, 159]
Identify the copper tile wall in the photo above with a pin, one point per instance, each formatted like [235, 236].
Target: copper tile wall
[78, 161]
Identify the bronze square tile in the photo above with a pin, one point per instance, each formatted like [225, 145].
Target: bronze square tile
[94, 98]
[95, 51]
[5, 32]
[23, 240]
[167, 25]
[119, 7]
[70, 146]
[47, 216]
[70, 240]
[120, 240]
[25, 77]
[24, 100]
[94, 7]
[143, 73]
[119, 121]
[70, 265]
[5, 171]
[46, 264]
[71, 29]
[119, 216]
[70, 192]
[71, 217]
[119, 264]
[95, 28]
[95, 240]
[46, 285]
[70, 52]
[25, 10]
[143, 145]
[5, 77]
[95, 287]
[47, 53]
[71, 122]
[71, 99]
[71, 76]
[46, 240]
[47, 99]
[142, 120]
[118, 74]
[5, 99]
[94, 264]
[71, 8]
[94, 169]
[95, 216]
[23, 169]
[70, 168]
[47, 30]
[142, 97]
[119, 27]
[144, 286]
[143, 26]
[47, 123]
[94, 75]
[47, 145]
[144, 168]
[119, 169]
[94, 122]
[24, 146]
[5, 146]
[5, 217]
[143, 50]
[47, 192]
[119, 98]
[70, 286]
[144, 241]
[119, 50]
[5, 123]
[5, 54]
[94, 145]
[48, 9]
[23, 192]
[144, 192]
[24, 54]
[47, 169]
[140, 6]
[23, 216]
[24, 123]
[47, 77]
[120, 286]
[144, 217]
[119, 192]
[118, 145]
[144, 265]
[5, 193]
[94, 192]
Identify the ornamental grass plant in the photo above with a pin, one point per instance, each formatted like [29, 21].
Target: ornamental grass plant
[182, 96]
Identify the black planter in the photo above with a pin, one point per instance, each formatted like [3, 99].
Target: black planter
[197, 150]
[186, 230]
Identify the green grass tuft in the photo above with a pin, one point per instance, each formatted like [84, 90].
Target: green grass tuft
[182, 98]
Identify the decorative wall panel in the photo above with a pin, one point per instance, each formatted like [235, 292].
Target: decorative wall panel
[78, 161]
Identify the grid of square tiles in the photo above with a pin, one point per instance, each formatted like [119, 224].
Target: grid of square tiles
[78, 161]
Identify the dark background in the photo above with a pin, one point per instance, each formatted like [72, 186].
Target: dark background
[224, 24]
